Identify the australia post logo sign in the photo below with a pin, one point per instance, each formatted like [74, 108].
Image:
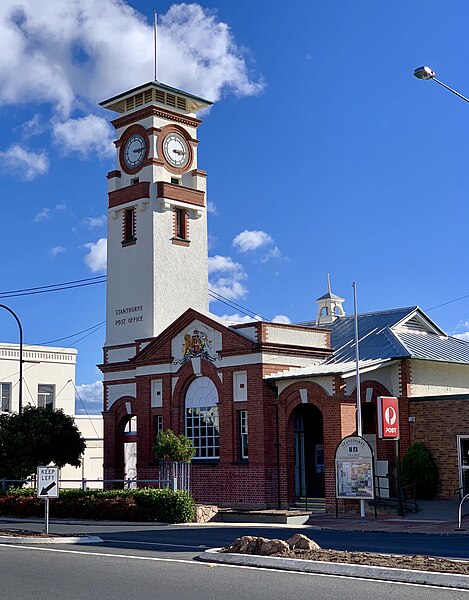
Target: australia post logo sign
[388, 417]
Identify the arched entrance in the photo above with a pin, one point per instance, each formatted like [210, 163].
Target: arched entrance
[308, 441]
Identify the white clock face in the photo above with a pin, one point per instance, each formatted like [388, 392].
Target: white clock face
[175, 150]
[135, 151]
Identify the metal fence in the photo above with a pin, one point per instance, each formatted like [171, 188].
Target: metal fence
[174, 476]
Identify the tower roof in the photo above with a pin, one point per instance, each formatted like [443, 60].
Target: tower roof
[159, 92]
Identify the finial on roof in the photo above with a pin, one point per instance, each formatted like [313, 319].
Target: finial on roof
[329, 306]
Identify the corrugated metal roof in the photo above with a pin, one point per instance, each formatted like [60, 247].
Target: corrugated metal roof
[383, 336]
[429, 346]
[328, 369]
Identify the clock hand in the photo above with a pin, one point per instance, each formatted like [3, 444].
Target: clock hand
[137, 150]
[180, 152]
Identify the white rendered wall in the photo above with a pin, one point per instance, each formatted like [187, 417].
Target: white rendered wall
[42, 365]
[432, 378]
[91, 469]
[152, 282]
[294, 336]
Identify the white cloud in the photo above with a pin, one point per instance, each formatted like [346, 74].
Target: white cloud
[462, 336]
[43, 215]
[84, 51]
[90, 395]
[24, 163]
[34, 126]
[281, 319]
[225, 277]
[90, 134]
[96, 258]
[272, 253]
[237, 318]
[96, 221]
[57, 250]
[211, 208]
[251, 240]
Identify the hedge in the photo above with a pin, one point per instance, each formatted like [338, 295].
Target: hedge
[147, 504]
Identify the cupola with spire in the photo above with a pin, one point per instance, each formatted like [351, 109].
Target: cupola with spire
[329, 306]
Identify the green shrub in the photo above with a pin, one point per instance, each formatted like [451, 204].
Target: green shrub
[418, 467]
[145, 504]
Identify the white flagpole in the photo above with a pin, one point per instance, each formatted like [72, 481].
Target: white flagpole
[359, 403]
[155, 42]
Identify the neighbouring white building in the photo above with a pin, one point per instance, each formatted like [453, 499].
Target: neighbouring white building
[49, 380]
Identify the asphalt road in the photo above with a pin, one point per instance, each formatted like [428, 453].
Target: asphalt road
[187, 541]
[104, 573]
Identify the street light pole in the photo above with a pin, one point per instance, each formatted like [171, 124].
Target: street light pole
[425, 73]
[20, 383]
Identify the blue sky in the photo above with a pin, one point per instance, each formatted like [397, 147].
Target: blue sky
[324, 154]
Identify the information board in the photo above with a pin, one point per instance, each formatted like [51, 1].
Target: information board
[354, 469]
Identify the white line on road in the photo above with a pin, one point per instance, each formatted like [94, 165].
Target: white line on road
[199, 547]
[220, 566]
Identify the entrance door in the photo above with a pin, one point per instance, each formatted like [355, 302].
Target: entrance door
[300, 474]
[463, 460]
[309, 452]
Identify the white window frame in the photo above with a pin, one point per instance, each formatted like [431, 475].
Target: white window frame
[243, 435]
[5, 397]
[50, 392]
[201, 418]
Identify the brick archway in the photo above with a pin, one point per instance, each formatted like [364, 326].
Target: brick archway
[115, 420]
[294, 400]
[186, 376]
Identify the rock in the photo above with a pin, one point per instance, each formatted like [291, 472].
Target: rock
[257, 545]
[269, 547]
[242, 545]
[298, 541]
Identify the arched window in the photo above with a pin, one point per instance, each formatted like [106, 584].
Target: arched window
[201, 413]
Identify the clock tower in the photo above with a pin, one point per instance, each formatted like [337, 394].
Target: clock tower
[157, 222]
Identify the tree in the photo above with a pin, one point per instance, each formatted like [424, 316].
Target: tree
[38, 436]
[169, 446]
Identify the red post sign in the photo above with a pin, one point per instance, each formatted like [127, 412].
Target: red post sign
[388, 418]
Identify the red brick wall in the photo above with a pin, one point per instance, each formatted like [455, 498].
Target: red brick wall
[437, 424]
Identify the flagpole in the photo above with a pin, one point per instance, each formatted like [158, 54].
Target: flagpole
[357, 378]
[155, 42]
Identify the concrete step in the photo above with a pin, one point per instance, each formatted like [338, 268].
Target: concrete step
[313, 505]
[286, 517]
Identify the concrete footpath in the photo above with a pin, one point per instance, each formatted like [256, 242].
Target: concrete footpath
[433, 517]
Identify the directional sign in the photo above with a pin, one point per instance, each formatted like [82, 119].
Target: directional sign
[388, 417]
[47, 482]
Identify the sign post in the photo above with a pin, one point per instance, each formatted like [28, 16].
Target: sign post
[47, 487]
[354, 470]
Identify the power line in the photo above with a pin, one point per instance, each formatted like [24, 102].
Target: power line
[449, 302]
[102, 279]
[67, 337]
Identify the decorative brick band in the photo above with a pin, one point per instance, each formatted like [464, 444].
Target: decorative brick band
[129, 194]
[180, 193]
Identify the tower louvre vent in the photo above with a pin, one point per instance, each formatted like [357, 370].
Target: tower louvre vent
[139, 99]
[171, 100]
[148, 96]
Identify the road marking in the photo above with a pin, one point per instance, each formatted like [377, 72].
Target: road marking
[154, 544]
[219, 565]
